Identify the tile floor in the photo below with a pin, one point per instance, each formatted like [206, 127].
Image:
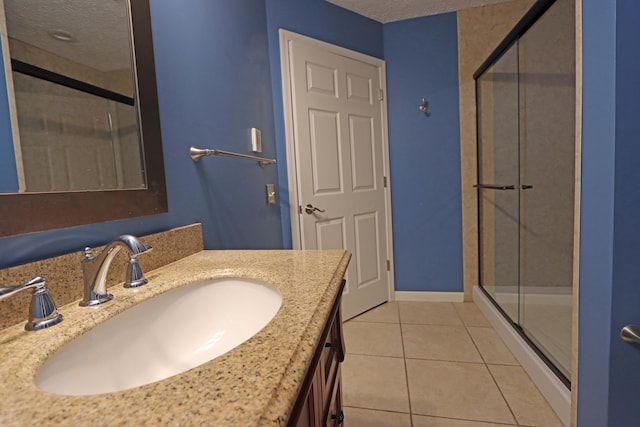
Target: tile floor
[421, 364]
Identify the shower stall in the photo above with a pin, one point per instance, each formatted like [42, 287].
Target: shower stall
[526, 106]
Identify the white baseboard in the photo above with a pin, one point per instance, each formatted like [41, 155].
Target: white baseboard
[558, 396]
[429, 296]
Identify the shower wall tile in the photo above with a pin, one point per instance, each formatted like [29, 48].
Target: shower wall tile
[547, 66]
[120, 81]
[64, 273]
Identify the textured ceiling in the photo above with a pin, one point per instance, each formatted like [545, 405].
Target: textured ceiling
[396, 10]
[100, 29]
[101, 32]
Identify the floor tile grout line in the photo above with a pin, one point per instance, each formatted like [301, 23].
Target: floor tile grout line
[466, 328]
[380, 355]
[517, 363]
[370, 321]
[406, 371]
[445, 360]
[375, 355]
[495, 381]
[378, 410]
[375, 323]
[427, 415]
[432, 324]
[469, 420]
[486, 366]
[484, 361]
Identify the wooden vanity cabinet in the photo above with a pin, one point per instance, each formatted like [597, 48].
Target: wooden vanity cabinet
[319, 402]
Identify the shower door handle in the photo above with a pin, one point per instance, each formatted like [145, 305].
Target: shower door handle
[630, 333]
[494, 187]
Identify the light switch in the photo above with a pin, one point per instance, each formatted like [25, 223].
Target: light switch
[271, 194]
[256, 140]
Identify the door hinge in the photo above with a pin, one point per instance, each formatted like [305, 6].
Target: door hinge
[388, 265]
[380, 94]
[384, 181]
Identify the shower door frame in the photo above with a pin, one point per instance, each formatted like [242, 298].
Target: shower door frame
[527, 21]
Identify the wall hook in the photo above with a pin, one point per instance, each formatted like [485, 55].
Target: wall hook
[424, 107]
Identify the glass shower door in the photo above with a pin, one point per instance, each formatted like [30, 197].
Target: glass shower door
[498, 181]
[547, 172]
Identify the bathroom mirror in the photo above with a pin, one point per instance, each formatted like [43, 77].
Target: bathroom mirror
[86, 130]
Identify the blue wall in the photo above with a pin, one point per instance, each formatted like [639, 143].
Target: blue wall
[8, 174]
[609, 269]
[212, 66]
[422, 62]
[624, 376]
[323, 21]
[218, 72]
[211, 94]
[596, 238]
[424, 152]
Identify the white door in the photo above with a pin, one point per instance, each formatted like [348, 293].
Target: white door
[336, 126]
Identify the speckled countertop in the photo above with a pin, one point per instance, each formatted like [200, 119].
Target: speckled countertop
[254, 384]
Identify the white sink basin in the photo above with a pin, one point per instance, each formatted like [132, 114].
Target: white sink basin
[162, 337]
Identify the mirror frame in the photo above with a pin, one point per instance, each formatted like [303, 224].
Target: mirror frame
[22, 213]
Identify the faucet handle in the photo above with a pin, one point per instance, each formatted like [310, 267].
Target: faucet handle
[43, 312]
[135, 275]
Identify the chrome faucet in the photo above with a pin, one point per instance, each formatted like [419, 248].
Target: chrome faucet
[43, 312]
[95, 268]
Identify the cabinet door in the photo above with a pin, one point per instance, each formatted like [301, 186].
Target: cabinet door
[335, 415]
[329, 359]
[311, 413]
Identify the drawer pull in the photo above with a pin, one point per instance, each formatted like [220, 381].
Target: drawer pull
[328, 344]
[339, 417]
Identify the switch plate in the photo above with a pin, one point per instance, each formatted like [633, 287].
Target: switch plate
[256, 140]
[271, 194]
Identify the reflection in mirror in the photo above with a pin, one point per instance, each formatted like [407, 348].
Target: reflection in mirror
[103, 105]
[74, 116]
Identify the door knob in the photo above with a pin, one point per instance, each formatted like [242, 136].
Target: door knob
[630, 334]
[309, 209]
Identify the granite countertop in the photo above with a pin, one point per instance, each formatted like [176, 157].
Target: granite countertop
[254, 384]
